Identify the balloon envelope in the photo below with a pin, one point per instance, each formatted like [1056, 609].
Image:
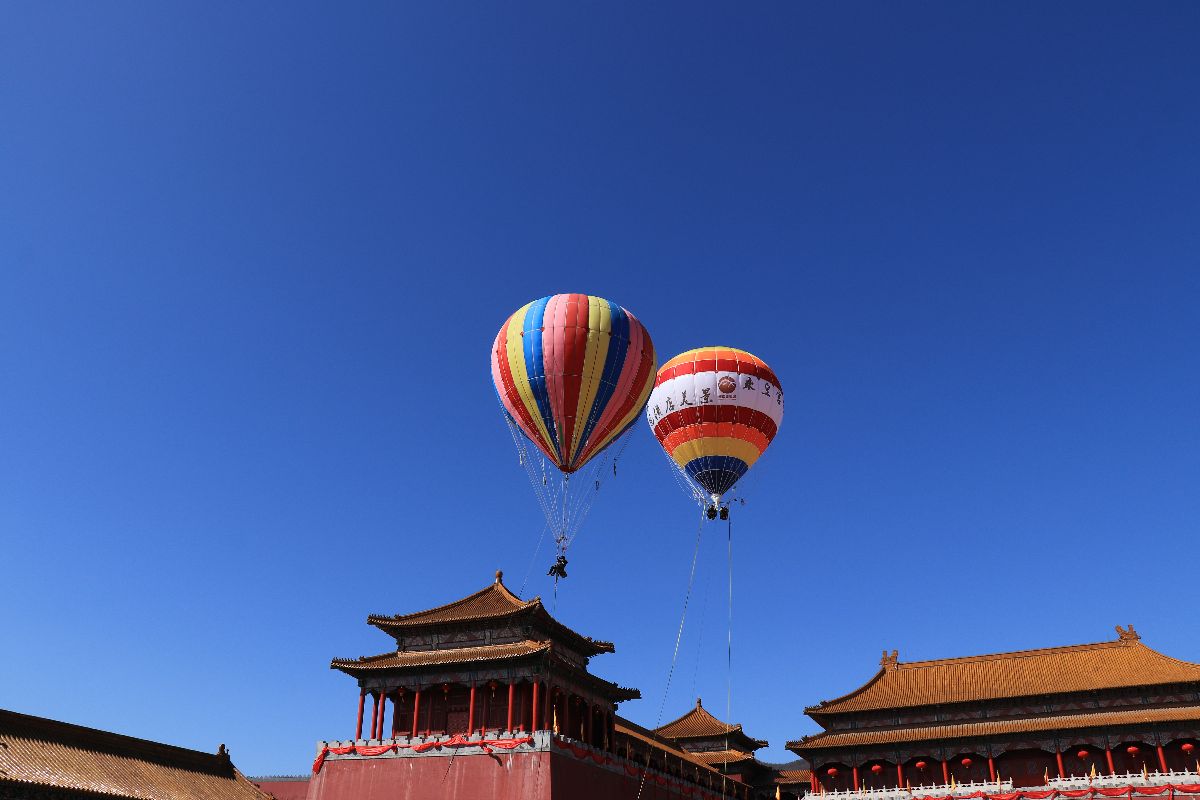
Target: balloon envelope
[573, 372]
[715, 410]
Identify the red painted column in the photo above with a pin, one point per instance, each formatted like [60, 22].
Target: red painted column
[416, 710]
[813, 780]
[471, 712]
[899, 775]
[945, 772]
[374, 712]
[511, 691]
[396, 713]
[856, 779]
[533, 721]
[382, 712]
[1062, 773]
[992, 769]
[1162, 758]
[362, 701]
[1108, 757]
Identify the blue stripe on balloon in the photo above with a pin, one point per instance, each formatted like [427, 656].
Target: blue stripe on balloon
[618, 348]
[536, 369]
[716, 474]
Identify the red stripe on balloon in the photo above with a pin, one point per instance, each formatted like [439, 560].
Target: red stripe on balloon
[696, 415]
[575, 340]
[761, 371]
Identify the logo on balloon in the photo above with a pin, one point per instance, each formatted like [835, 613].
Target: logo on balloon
[726, 384]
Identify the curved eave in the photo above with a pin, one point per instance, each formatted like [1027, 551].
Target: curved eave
[825, 706]
[459, 657]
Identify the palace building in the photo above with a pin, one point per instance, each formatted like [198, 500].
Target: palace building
[725, 747]
[1033, 718]
[490, 696]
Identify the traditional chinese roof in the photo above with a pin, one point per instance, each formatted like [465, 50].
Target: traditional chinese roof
[624, 727]
[493, 603]
[1132, 715]
[787, 777]
[699, 724]
[1123, 663]
[718, 758]
[39, 752]
[424, 658]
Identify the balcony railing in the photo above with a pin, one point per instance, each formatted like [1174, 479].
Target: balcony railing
[935, 790]
[1071, 782]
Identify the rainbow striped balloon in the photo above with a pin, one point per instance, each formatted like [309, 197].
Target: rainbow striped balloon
[715, 410]
[573, 372]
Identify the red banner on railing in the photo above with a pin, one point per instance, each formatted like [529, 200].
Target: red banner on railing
[458, 740]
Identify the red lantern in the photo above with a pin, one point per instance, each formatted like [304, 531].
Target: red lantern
[831, 772]
[1187, 747]
[966, 762]
[1083, 754]
[1132, 749]
[877, 768]
[921, 765]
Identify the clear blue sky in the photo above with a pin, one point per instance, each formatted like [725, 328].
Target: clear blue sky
[253, 255]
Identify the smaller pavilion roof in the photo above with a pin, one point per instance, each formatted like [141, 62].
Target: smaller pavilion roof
[631, 729]
[1124, 663]
[491, 603]
[699, 724]
[716, 758]
[788, 777]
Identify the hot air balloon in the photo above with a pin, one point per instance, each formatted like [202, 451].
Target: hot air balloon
[714, 410]
[572, 372]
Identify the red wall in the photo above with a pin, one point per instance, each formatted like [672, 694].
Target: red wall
[508, 776]
[284, 790]
[502, 777]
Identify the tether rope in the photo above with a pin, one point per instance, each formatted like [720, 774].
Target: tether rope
[678, 638]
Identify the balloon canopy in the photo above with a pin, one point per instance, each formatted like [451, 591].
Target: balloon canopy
[714, 410]
[572, 372]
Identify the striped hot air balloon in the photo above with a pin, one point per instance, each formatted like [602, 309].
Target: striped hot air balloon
[715, 410]
[573, 372]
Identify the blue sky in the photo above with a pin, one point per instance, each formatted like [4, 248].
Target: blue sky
[252, 258]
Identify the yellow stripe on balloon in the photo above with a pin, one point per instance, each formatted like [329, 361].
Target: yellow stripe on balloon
[595, 354]
[715, 446]
[516, 363]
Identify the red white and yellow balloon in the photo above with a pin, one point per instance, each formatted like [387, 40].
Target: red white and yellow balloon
[715, 410]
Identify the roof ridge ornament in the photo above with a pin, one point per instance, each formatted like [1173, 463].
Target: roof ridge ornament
[889, 662]
[500, 577]
[1127, 634]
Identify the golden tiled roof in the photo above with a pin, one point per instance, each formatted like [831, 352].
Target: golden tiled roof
[787, 777]
[625, 727]
[1133, 715]
[491, 603]
[1123, 663]
[43, 752]
[699, 724]
[716, 758]
[456, 655]
[494, 600]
